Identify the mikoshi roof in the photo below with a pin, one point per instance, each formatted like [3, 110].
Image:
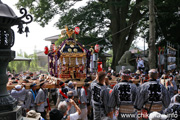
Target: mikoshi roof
[71, 46]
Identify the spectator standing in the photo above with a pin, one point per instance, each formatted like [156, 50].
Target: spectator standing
[140, 63]
[84, 101]
[41, 100]
[123, 96]
[20, 94]
[29, 103]
[152, 96]
[62, 93]
[100, 97]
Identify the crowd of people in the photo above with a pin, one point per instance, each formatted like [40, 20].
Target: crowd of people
[134, 96]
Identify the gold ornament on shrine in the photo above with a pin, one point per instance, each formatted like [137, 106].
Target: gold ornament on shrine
[69, 32]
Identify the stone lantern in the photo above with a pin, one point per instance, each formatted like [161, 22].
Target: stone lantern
[8, 105]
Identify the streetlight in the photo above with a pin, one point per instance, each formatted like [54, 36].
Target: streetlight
[8, 19]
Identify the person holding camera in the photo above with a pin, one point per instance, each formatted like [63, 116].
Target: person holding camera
[140, 63]
[65, 106]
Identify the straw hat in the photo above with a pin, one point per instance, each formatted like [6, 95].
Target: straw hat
[138, 72]
[33, 114]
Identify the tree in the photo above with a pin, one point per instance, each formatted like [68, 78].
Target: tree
[96, 19]
[168, 20]
[19, 66]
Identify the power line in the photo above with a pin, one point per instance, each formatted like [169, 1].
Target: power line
[114, 33]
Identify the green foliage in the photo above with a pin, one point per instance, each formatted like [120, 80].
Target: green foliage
[167, 22]
[109, 60]
[34, 63]
[97, 20]
[93, 19]
[19, 66]
[60, 40]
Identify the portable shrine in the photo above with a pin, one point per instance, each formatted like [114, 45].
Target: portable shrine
[70, 60]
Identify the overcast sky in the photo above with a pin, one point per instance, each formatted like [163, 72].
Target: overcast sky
[37, 33]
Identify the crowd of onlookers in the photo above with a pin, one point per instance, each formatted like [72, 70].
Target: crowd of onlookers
[133, 96]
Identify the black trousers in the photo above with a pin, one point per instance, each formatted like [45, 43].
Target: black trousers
[54, 98]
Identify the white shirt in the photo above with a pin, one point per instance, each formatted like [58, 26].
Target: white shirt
[74, 116]
[140, 63]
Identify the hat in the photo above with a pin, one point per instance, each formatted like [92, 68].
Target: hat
[70, 83]
[28, 77]
[33, 114]
[126, 73]
[157, 116]
[137, 72]
[55, 115]
[16, 75]
[25, 80]
[18, 86]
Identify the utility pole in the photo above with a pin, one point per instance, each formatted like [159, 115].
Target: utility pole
[178, 56]
[151, 42]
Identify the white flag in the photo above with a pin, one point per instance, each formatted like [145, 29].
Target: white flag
[64, 62]
[77, 61]
[69, 61]
[83, 60]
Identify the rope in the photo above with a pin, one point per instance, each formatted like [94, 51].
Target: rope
[113, 34]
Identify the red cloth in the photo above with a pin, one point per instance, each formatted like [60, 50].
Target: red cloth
[49, 107]
[110, 91]
[64, 95]
[100, 66]
[85, 90]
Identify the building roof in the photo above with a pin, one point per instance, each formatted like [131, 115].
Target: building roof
[105, 55]
[52, 38]
[19, 58]
[41, 53]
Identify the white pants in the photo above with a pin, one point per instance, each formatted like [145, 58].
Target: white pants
[83, 114]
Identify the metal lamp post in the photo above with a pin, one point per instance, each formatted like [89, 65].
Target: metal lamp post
[8, 19]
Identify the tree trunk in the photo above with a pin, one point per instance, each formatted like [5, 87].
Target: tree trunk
[151, 43]
[127, 29]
